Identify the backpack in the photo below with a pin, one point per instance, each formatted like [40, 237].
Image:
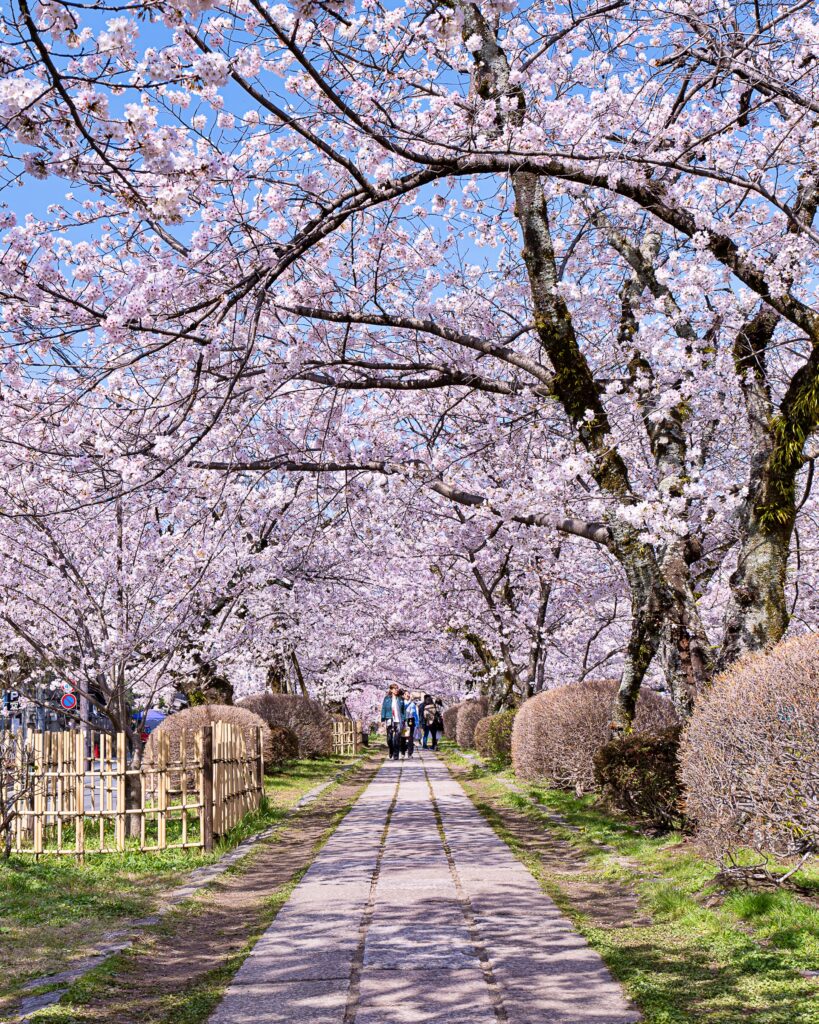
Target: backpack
[430, 714]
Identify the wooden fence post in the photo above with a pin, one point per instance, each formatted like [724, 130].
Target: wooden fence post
[79, 768]
[121, 816]
[163, 752]
[39, 802]
[259, 763]
[207, 788]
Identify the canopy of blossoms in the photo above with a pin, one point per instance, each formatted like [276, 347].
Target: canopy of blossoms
[474, 344]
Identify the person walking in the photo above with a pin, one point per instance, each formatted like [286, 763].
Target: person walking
[417, 696]
[392, 714]
[411, 716]
[428, 712]
[438, 722]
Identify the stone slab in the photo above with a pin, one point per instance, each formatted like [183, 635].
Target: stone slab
[291, 1003]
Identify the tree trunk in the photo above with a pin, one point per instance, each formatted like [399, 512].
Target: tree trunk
[133, 794]
[684, 647]
[647, 615]
[757, 613]
[207, 686]
[655, 596]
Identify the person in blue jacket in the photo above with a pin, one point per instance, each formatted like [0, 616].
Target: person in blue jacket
[392, 713]
[411, 717]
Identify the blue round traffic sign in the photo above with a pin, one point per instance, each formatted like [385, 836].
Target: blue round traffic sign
[68, 701]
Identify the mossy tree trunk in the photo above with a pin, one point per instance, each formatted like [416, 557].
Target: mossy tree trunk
[757, 612]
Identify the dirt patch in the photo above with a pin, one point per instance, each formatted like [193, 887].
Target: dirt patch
[189, 946]
[606, 904]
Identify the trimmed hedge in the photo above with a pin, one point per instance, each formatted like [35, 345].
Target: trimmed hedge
[493, 737]
[284, 745]
[557, 733]
[750, 755]
[482, 736]
[191, 720]
[640, 774]
[450, 717]
[307, 719]
[469, 714]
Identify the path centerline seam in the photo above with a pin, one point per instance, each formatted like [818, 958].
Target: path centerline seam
[357, 967]
[475, 937]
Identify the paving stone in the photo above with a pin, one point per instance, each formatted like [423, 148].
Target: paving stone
[274, 964]
[407, 998]
[31, 1004]
[302, 920]
[328, 891]
[567, 1000]
[420, 1012]
[417, 946]
[291, 1003]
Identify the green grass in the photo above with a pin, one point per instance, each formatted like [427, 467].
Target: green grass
[194, 1004]
[53, 909]
[706, 955]
[191, 1006]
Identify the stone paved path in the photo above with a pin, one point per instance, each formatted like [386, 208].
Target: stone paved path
[416, 912]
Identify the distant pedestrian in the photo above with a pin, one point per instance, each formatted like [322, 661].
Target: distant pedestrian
[428, 713]
[411, 716]
[392, 714]
[438, 723]
[417, 696]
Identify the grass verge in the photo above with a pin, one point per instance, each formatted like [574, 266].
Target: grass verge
[692, 952]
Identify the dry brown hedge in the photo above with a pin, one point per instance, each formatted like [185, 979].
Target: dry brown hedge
[557, 733]
[469, 714]
[750, 755]
[191, 720]
[284, 745]
[482, 737]
[493, 737]
[310, 721]
[450, 717]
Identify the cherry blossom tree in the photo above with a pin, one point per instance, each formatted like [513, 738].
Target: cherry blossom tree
[551, 264]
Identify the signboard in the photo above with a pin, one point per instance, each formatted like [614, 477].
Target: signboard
[11, 700]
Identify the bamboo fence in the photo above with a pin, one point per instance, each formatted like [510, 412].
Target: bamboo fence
[347, 738]
[84, 798]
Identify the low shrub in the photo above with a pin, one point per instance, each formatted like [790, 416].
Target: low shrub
[493, 737]
[191, 721]
[640, 774]
[557, 733]
[450, 717]
[309, 720]
[284, 745]
[750, 755]
[527, 751]
[469, 714]
[482, 737]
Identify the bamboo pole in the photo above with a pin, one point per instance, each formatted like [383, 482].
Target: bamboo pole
[163, 757]
[207, 788]
[119, 817]
[38, 807]
[79, 756]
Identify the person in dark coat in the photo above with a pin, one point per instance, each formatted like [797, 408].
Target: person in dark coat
[392, 714]
[438, 723]
[428, 712]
